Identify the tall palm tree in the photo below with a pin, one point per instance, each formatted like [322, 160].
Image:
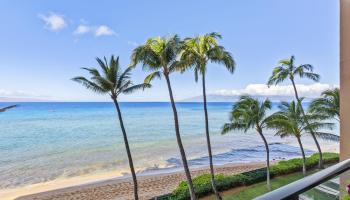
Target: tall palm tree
[112, 80]
[289, 122]
[197, 52]
[328, 104]
[249, 113]
[288, 70]
[159, 55]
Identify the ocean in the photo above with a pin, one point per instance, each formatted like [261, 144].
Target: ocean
[41, 142]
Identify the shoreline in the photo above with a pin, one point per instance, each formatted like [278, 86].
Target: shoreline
[109, 186]
[62, 186]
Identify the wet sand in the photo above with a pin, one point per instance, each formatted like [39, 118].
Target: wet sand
[105, 187]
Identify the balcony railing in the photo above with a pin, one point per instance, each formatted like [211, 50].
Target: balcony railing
[293, 191]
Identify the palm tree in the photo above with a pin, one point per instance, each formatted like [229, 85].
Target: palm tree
[288, 70]
[112, 80]
[197, 52]
[289, 122]
[159, 55]
[328, 104]
[250, 113]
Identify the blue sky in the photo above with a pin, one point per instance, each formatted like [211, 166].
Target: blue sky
[44, 43]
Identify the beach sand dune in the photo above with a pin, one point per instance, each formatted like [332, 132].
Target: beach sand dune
[122, 189]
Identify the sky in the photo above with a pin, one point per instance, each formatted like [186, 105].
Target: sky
[43, 44]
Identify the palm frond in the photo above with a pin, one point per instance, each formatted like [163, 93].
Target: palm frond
[114, 81]
[125, 75]
[92, 71]
[313, 76]
[228, 127]
[279, 74]
[327, 105]
[328, 136]
[90, 85]
[152, 76]
[134, 88]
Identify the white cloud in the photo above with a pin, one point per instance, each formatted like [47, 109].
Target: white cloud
[101, 30]
[104, 30]
[82, 29]
[20, 93]
[53, 22]
[312, 90]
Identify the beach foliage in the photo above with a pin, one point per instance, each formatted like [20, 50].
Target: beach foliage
[202, 183]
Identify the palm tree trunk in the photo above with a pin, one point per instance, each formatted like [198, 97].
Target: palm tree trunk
[303, 154]
[267, 159]
[208, 140]
[179, 142]
[131, 164]
[320, 162]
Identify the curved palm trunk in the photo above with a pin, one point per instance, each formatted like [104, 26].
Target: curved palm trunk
[131, 164]
[212, 175]
[320, 162]
[303, 154]
[267, 159]
[179, 142]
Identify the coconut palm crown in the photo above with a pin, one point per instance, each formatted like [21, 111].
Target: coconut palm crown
[111, 80]
[249, 113]
[198, 51]
[158, 55]
[288, 70]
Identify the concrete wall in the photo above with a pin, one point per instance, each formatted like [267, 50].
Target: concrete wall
[345, 79]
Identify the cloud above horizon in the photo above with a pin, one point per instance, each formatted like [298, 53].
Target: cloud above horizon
[98, 31]
[21, 94]
[53, 21]
[311, 90]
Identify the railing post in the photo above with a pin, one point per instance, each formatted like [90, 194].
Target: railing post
[294, 197]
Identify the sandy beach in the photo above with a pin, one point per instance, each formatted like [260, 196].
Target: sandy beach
[105, 186]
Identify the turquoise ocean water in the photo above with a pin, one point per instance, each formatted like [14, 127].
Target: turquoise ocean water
[43, 141]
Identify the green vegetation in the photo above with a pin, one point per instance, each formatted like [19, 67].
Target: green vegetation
[202, 183]
[289, 122]
[197, 52]
[287, 70]
[112, 80]
[328, 104]
[249, 113]
[259, 189]
[160, 56]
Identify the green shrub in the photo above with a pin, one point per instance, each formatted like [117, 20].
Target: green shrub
[202, 183]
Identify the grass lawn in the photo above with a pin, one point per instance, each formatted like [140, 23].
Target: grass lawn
[260, 188]
[255, 190]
